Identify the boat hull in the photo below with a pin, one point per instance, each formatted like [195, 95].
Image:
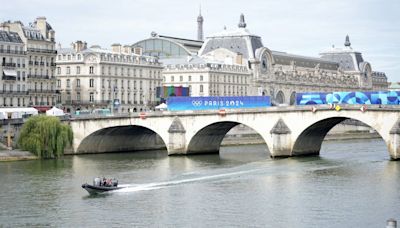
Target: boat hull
[98, 189]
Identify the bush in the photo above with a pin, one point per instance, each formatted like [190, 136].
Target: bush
[45, 136]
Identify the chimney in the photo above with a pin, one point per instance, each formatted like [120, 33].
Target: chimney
[77, 46]
[138, 50]
[127, 49]
[239, 58]
[116, 48]
[41, 25]
[52, 35]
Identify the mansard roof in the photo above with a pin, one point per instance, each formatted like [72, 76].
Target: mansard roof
[284, 58]
[32, 33]
[238, 41]
[11, 37]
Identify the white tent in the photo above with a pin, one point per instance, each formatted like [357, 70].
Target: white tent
[54, 112]
[161, 106]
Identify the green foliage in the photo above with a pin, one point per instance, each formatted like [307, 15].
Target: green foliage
[45, 136]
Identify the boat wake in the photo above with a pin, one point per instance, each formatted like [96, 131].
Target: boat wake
[165, 184]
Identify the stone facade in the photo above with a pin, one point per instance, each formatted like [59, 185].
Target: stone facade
[238, 55]
[93, 78]
[13, 83]
[207, 78]
[39, 45]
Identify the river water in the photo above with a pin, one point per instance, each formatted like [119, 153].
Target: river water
[351, 184]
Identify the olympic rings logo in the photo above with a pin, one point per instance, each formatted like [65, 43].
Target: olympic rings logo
[196, 103]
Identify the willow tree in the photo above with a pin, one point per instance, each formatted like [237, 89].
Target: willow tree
[45, 136]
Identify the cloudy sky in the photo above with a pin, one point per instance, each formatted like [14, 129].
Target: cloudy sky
[304, 27]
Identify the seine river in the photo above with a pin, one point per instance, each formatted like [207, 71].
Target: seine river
[351, 184]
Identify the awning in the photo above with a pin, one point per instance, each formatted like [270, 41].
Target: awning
[42, 108]
[10, 73]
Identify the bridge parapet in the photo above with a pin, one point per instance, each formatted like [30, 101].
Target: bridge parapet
[287, 131]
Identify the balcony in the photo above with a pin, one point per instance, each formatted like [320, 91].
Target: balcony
[41, 63]
[87, 102]
[14, 92]
[30, 63]
[36, 63]
[9, 64]
[36, 76]
[38, 50]
[12, 52]
[32, 91]
[9, 78]
[52, 64]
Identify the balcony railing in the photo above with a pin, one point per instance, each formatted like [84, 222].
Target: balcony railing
[87, 102]
[36, 76]
[9, 64]
[14, 92]
[42, 50]
[43, 91]
[9, 78]
[12, 52]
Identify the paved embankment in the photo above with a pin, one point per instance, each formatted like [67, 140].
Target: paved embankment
[16, 155]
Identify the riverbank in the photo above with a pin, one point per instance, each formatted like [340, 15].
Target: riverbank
[16, 155]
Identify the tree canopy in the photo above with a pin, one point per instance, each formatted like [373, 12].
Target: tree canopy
[45, 136]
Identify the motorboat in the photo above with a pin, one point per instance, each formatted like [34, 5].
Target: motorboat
[101, 185]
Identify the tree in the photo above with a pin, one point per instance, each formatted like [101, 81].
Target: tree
[45, 136]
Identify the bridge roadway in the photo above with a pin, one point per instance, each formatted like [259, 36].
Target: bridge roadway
[287, 131]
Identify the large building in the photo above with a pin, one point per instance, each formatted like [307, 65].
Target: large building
[13, 83]
[93, 78]
[38, 71]
[237, 63]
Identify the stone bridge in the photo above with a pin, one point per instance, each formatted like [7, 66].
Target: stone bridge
[287, 131]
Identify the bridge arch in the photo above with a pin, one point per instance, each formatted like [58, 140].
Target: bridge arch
[309, 141]
[208, 139]
[121, 139]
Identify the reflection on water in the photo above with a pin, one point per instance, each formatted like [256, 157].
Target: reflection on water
[351, 184]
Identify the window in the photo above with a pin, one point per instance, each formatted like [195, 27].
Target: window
[91, 70]
[58, 83]
[69, 57]
[79, 57]
[201, 88]
[58, 70]
[172, 78]
[190, 78]
[181, 78]
[68, 83]
[78, 70]
[201, 78]
[78, 96]
[102, 83]
[91, 83]
[68, 70]
[78, 83]
[91, 97]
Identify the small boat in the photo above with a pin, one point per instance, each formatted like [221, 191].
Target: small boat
[101, 185]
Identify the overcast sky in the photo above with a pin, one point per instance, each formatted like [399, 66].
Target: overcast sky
[304, 27]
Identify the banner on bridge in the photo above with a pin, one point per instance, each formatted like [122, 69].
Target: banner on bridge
[215, 103]
[376, 97]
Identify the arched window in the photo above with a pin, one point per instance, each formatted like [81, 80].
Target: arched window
[293, 98]
[280, 98]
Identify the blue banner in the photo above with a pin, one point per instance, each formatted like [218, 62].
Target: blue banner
[210, 103]
[373, 97]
